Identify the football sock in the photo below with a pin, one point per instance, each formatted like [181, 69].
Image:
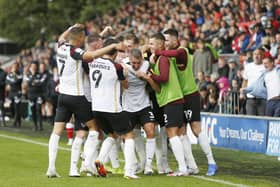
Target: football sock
[150, 151]
[205, 146]
[95, 154]
[113, 155]
[90, 146]
[178, 152]
[70, 130]
[129, 156]
[53, 146]
[190, 161]
[75, 152]
[105, 148]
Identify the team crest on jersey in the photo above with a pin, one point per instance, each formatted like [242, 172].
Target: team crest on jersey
[188, 114]
[78, 50]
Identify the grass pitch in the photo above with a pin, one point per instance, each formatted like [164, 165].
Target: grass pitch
[25, 163]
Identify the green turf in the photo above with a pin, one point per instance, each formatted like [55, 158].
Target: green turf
[25, 164]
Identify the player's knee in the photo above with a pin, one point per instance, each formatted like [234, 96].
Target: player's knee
[58, 129]
[171, 132]
[150, 133]
[196, 131]
[92, 125]
[150, 130]
[182, 130]
[81, 134]
[129, 135]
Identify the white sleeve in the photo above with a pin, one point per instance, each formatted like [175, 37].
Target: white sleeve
[145, 66]
[245, 73]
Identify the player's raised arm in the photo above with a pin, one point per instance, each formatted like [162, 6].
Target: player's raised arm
[107, 30]
[90, 55]
[64, 36]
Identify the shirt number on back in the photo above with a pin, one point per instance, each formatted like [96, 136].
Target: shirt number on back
[96, 76]
[62, 67]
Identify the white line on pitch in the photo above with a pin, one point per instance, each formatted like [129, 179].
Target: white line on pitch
[32, 141]
[219, 181]
[68, 149]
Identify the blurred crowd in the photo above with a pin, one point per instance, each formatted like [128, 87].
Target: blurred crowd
[233, 26]
[27, 87]
[222, 35]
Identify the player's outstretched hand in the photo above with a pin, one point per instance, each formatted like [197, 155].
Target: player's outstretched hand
[120, 47]
[106, 31]
[142, 75]
[153, 59]
[79, 25]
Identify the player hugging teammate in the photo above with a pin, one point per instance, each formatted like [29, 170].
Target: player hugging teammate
[121, 83]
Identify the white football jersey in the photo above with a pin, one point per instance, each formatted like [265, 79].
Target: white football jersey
[70, 70]
[105, 85]
[86, 86]
[135, 98]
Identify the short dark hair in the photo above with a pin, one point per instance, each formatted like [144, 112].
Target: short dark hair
[172, 32]
[136, 53]
[108, 42]
[158, 36]
[76, 32]
[133, 37]
[93, 37]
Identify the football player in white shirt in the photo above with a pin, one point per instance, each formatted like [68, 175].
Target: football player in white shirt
[131, 41]
[136, 101]
[93, 42]
[106, 79]
[71, 98]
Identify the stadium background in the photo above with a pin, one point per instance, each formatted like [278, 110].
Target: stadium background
[34, 26]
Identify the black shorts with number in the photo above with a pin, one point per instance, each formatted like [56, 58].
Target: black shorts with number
[113, 122]
[173, 115]
[77, 105]
[141, 117]
[192, 108]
